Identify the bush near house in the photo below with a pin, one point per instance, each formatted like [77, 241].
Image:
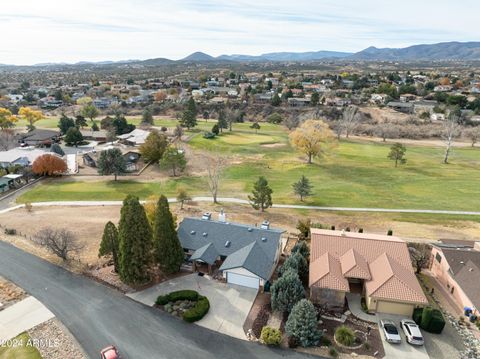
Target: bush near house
[429, 319]
[271, 336]
[195, 313]
[198, 311]
[178, 295]
[345, 336]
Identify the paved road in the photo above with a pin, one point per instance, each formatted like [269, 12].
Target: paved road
[97, 316]
[5, 207]
[9, 200]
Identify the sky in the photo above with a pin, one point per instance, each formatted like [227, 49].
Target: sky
[35, 31]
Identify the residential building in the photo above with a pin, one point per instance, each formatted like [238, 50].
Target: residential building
[376, 266]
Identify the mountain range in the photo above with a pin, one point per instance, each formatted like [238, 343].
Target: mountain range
[466, 51]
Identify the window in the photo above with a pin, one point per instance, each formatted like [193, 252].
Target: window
[438, 257]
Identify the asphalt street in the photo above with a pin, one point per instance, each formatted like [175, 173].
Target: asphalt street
[99, 316]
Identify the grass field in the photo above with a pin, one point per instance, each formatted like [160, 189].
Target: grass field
[20, 350]
[355, 174]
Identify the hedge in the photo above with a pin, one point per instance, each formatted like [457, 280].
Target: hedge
[417, 315]
[198, 311]
[431, 320]
[176, 296]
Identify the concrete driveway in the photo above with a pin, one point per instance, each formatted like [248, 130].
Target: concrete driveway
[402, 350]
[229, 304]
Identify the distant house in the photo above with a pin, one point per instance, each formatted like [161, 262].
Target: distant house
[131, 158]
[405, 107]
[244, 255]
[456, 265]
[135, 138]
[378, 98]
[99, 136]
[39, 138]
[298, 102]
[442, 88]
[19, 156]
[377, 267]
[407, 97]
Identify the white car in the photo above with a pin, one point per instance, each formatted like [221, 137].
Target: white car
[412, 332]
[390, 331]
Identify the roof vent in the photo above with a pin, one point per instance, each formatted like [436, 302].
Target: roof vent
[204, 234]
[222, 217]
[265, 225]
[192, 232]
[264, 239]
[207, 216]
[343, 233]
[470, 270]
[250, 229]
[227, 244]
[462, 262]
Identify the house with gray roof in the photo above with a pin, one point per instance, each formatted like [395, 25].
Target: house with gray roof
[244, 255]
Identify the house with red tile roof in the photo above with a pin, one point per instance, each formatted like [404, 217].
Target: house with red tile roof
[377, 266]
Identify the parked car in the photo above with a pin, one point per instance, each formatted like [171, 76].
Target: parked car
[110, 353]
[390, 331]
[412, 332]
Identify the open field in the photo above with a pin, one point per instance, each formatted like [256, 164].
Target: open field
[355, 174]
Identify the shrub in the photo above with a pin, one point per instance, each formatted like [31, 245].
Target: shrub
[345, 336]
[333, 352]
[10, 231]
[432, 320]
[325, 342]
[198, 311]
[363, 303]
[162, 300]
[292, 342]
[417, 315]
[178, 295]
[271, 336]
[390, 232]
[208, 135]
[360, 230]
[28, 207]
[367, 346]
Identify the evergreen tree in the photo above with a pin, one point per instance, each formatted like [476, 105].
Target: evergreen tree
[135, 242]
[73, 137]
[298, 264]
[80, 121]
[276, 101]
[255, 126]
[215, 129]
[154, 147]
[168, 251]
[147, 116]
[315, 99]
[397, 153]
[302, 188]
[302, 248]
[109, 244]
[261, 195]
[189, 116]
[287, 291]
[222, 120]
[95, 127]
[55, 148]
[65, 123]
[302, 324]
[111, 162]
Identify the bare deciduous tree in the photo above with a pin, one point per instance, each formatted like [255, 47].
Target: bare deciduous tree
[386, 130]
[473, 134]
[349, 119]
[420, 255]
[7, 138]
[60, 242]
[214, 170]
[451, 130]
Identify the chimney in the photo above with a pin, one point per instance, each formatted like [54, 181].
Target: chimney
[222, 217]
[207, 216]
[476, 246]
[265, 225]
[343, 233]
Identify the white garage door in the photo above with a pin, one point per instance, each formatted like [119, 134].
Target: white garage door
[243, 280]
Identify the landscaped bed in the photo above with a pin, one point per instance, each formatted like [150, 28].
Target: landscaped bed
[186, 304]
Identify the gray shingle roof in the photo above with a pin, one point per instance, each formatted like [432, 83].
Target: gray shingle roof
[195, 233]
[207, 253]
[251, 257]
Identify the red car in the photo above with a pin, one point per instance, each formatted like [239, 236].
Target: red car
[110, 353]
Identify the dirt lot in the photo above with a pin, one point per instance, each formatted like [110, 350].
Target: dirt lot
[88, 223]
[10, 293]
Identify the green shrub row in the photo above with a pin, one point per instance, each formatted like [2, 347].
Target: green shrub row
[429, 319]
[198, 311]
[178, 295]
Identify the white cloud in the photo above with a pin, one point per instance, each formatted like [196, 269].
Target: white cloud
[69, 31]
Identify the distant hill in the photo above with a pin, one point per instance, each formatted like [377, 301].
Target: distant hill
[287, 56]
[440, 51]
[198, 57]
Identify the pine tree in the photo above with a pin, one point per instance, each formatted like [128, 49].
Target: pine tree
[287, 291]
[189, 116]
[302, 324]
[222, 120]
[135, 242]
[111, 161]
[298, 264]
[276, 101]
[261, 195]
[397, 154]
[302, 188]
[109, 244]
[168, 251]
[65, 123]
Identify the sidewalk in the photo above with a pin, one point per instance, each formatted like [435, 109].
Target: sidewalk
[22, 316]
[355, 306]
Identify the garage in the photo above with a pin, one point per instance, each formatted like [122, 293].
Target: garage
[243, 280]
[395, 308]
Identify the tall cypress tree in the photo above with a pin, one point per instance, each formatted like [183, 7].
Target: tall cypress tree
[135, 242]
[109, 244]
[168, 251]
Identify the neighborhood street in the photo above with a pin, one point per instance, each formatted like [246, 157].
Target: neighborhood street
[99, 316]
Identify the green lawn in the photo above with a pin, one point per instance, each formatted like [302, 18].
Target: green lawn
[19, 349]
[355, 174]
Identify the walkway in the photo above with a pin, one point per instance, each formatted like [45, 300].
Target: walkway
[243, 201]
[355, 306]
[22, 316]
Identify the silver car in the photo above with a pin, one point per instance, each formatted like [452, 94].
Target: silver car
[412, 332]
[390, 331]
